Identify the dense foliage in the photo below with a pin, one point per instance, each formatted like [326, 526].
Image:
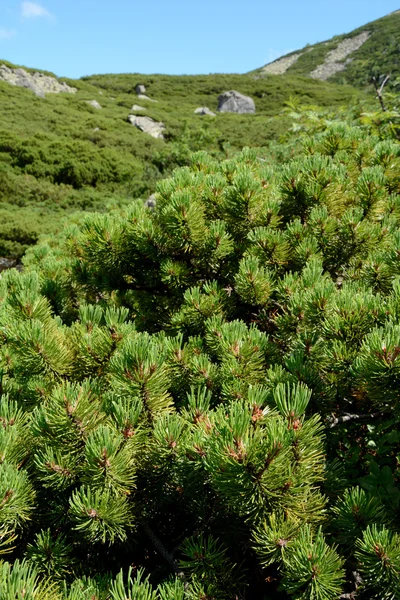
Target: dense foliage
[201, 401]
[59, 155]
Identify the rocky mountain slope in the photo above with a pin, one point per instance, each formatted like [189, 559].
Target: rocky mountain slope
[353, 58]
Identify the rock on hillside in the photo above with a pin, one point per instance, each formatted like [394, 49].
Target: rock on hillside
[148, 125]
[141, 93]
[93, 103]
[144, 97]
[235, 102]
[151, 202]
[281, 65]
[7, 263]
[38, 83]
[333, 62]
[204, 110]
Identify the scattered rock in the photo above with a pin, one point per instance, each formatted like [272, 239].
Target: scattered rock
[137, 107]
[144, 97]
[93, 103]
[281, 65]
[38, 83]
[235, 102]
[7, 263]
[204, 110]
[148, 125]
[140, 89]
[335, 59]
[151, 202]
[96, 129]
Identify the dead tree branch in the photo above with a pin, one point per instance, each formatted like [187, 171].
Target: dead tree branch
[334, 421]
[379, 90]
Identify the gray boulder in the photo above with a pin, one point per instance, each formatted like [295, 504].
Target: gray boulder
[93, 103]
[204, 110]
[38, 83]
[144, 97]
[140, 89]
[235, 102]
[20, 78]
[148, 125]
[136, 107]
[7, 263]
[151, 202]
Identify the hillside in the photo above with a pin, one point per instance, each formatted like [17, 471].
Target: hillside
[200, 389]
[59, 154]
[201, 401]
[352, 58]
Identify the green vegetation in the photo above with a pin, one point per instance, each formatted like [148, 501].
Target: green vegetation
[201, 400]
[59, 155]
[378, 56]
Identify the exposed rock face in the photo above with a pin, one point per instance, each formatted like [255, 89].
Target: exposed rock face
[148, 125]
[235, 102]
[144, 97]
[140, 89]
[136, 107]
[38, 83]
[335, 59]
[204, 110]
[281, 65]
[93, 103]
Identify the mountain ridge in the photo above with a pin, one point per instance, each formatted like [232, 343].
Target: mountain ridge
[378, 54]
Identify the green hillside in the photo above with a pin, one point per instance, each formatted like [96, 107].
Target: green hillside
[60, 155]
[201, 401]
[200, 396]
[378, 55]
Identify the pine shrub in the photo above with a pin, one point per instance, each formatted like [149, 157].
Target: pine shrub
[200, 401]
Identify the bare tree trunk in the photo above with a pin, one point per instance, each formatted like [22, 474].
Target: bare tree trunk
[379, 90]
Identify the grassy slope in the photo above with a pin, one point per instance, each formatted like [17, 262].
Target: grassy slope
[53, 161]
[380, 54]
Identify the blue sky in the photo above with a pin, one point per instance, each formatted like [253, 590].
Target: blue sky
[73, 38]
